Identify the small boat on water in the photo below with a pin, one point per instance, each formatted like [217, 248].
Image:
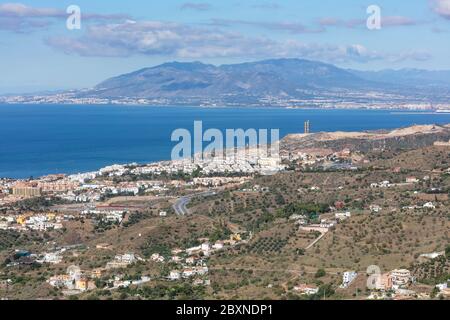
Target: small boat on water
[443, 111]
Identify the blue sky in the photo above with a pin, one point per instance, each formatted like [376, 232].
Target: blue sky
[38, 52]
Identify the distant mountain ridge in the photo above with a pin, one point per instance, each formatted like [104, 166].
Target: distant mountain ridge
[283, 77]
[275, 82]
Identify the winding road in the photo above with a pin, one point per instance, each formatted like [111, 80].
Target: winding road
[181, 203]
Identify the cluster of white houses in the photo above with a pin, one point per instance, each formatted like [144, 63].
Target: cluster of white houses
[33, 221]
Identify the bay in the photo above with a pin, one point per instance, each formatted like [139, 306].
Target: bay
[36, 140]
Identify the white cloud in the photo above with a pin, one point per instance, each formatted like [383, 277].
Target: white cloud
[153, 38]
[173, 40]
[119, 36]
[18, 17]
[287, 26]
[388, 21]
[441, 7]
[21, 10]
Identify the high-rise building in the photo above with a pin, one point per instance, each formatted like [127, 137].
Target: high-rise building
[307, 127]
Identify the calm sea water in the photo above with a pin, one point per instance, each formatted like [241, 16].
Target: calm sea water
[41, 139]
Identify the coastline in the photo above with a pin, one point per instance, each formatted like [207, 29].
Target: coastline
[248, 107]
[80, 138]
[332, 135]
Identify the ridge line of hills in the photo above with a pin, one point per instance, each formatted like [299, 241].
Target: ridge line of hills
[274, 82]
[270, 79]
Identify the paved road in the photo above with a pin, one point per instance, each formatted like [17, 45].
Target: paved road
[180, 205]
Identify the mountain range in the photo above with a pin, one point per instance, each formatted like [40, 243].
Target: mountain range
[284, 77]
[270, 81]
[275, 82]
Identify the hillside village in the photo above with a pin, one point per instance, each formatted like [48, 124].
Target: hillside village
[329, 219]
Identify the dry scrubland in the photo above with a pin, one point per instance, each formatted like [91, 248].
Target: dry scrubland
[276, 257]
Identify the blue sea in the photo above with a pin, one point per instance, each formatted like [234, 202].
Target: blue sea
[36, 140]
